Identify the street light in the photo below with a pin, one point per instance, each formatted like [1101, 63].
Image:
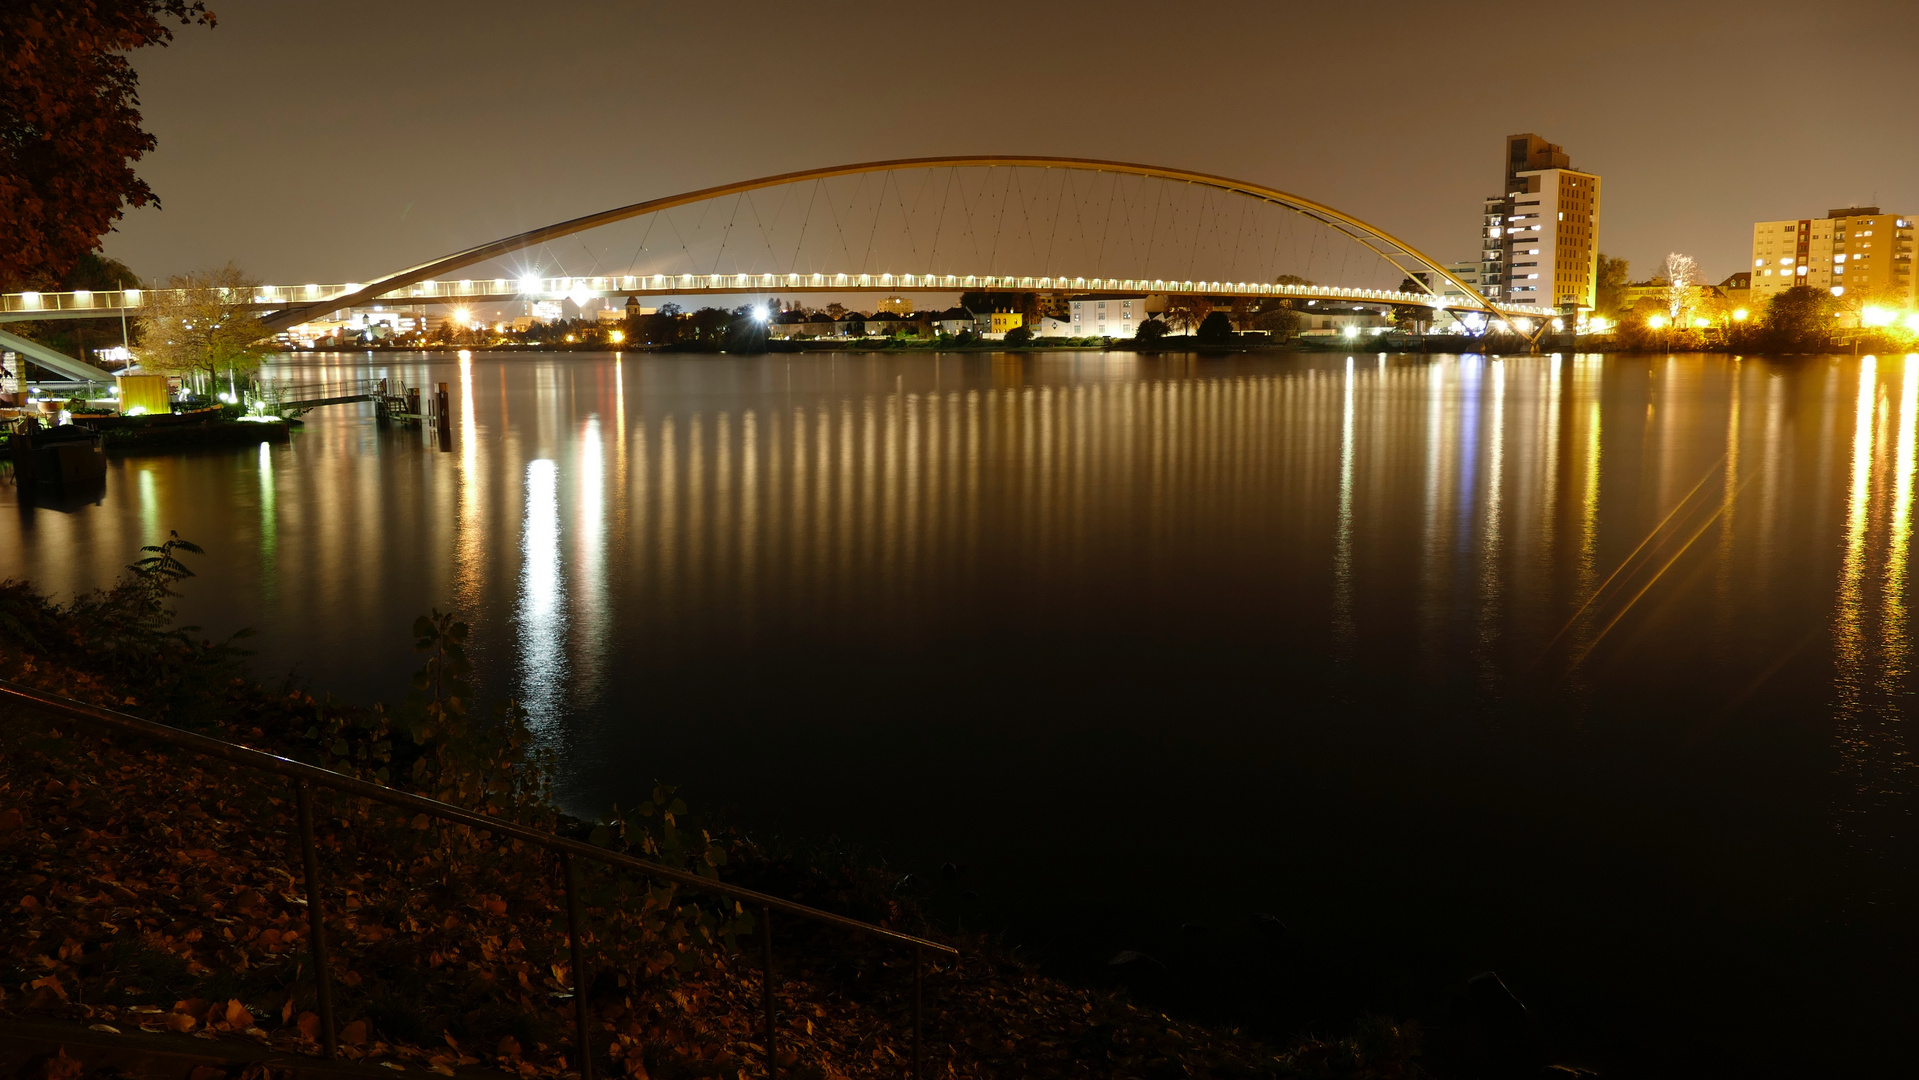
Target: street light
[1741, 315]
[760, 313]
[1657, 322]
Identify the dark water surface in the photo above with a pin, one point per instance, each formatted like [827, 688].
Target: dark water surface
[1592, 671]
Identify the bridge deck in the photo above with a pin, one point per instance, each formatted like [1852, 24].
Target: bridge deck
[585, 290]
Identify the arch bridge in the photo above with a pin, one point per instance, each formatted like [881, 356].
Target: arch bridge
[1068, 226]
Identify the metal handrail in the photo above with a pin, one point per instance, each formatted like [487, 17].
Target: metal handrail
[308, 776]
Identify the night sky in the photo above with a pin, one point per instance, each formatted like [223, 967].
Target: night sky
[337, 141]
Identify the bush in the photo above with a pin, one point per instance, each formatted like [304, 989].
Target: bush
[1150, 330]
[1019, 335]
[1216, 328]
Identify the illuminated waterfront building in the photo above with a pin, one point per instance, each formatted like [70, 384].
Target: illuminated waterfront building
[1542, 235]
[1855, 250]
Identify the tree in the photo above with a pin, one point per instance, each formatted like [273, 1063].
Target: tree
[1019, 335]
[1412, 319]
[1610, 286]
[1799, 319]
[192, 326]
[1293, 279]
[1278, 318]
[1216, 328]
[70, 126]
[1150, 330]
[1187, 312]
[837, 310]
[1682, 273]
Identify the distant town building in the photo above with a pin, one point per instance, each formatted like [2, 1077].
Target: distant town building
[997, 323]
[953, 320]
[1317, 321]
[1117, 317]
[1547, 228]
[1467, 272]
[357, 324]
[1051, 326]
[897, 305]
[1854, 250]
[1737, 290]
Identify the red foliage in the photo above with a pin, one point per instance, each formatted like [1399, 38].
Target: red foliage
[70, 125]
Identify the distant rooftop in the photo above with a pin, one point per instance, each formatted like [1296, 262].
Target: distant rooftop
[1854, 211]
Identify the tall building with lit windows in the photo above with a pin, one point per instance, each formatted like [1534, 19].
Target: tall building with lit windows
[1854, 251]
[1541, 237]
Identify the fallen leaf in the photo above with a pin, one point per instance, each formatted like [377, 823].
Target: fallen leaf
[179, 1021]
[57, 1067]
[238, 1018]
[10, 819]
[354, 1034]
[309, 1025]
[108, 1028]
[510, 1047]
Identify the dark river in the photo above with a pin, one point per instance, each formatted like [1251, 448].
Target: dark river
[1591, 671]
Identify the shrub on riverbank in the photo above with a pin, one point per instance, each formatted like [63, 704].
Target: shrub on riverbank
[159, 890]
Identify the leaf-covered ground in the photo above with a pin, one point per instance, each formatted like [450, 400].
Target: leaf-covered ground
[144, 887]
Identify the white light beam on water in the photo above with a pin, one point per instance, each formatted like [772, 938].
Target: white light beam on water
[542, 611]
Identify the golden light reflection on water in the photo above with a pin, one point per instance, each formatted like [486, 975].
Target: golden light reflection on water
[1453, 511]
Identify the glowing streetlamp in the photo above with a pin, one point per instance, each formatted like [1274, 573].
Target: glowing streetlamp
[616, 337]
[1657, 322]
[1741, 315]
[760, 314]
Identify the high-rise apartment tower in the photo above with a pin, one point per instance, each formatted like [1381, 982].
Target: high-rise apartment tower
[1540, 243]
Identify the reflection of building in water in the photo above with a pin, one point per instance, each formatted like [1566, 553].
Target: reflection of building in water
[1872, 650]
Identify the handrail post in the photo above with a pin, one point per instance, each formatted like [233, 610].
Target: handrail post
[581, 1042]
[766, 987]
[316, 919]
[918, 1016]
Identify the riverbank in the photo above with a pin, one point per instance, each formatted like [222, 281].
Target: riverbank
[184, 914]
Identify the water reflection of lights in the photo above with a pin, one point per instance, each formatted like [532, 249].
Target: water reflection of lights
[269, 524]
[1343, 626]
[469, 573]
[542, 615]
[590, 592]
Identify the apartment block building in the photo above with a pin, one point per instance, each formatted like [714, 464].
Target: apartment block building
[1855, 250]
[1540, 242]
[1117, 317]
